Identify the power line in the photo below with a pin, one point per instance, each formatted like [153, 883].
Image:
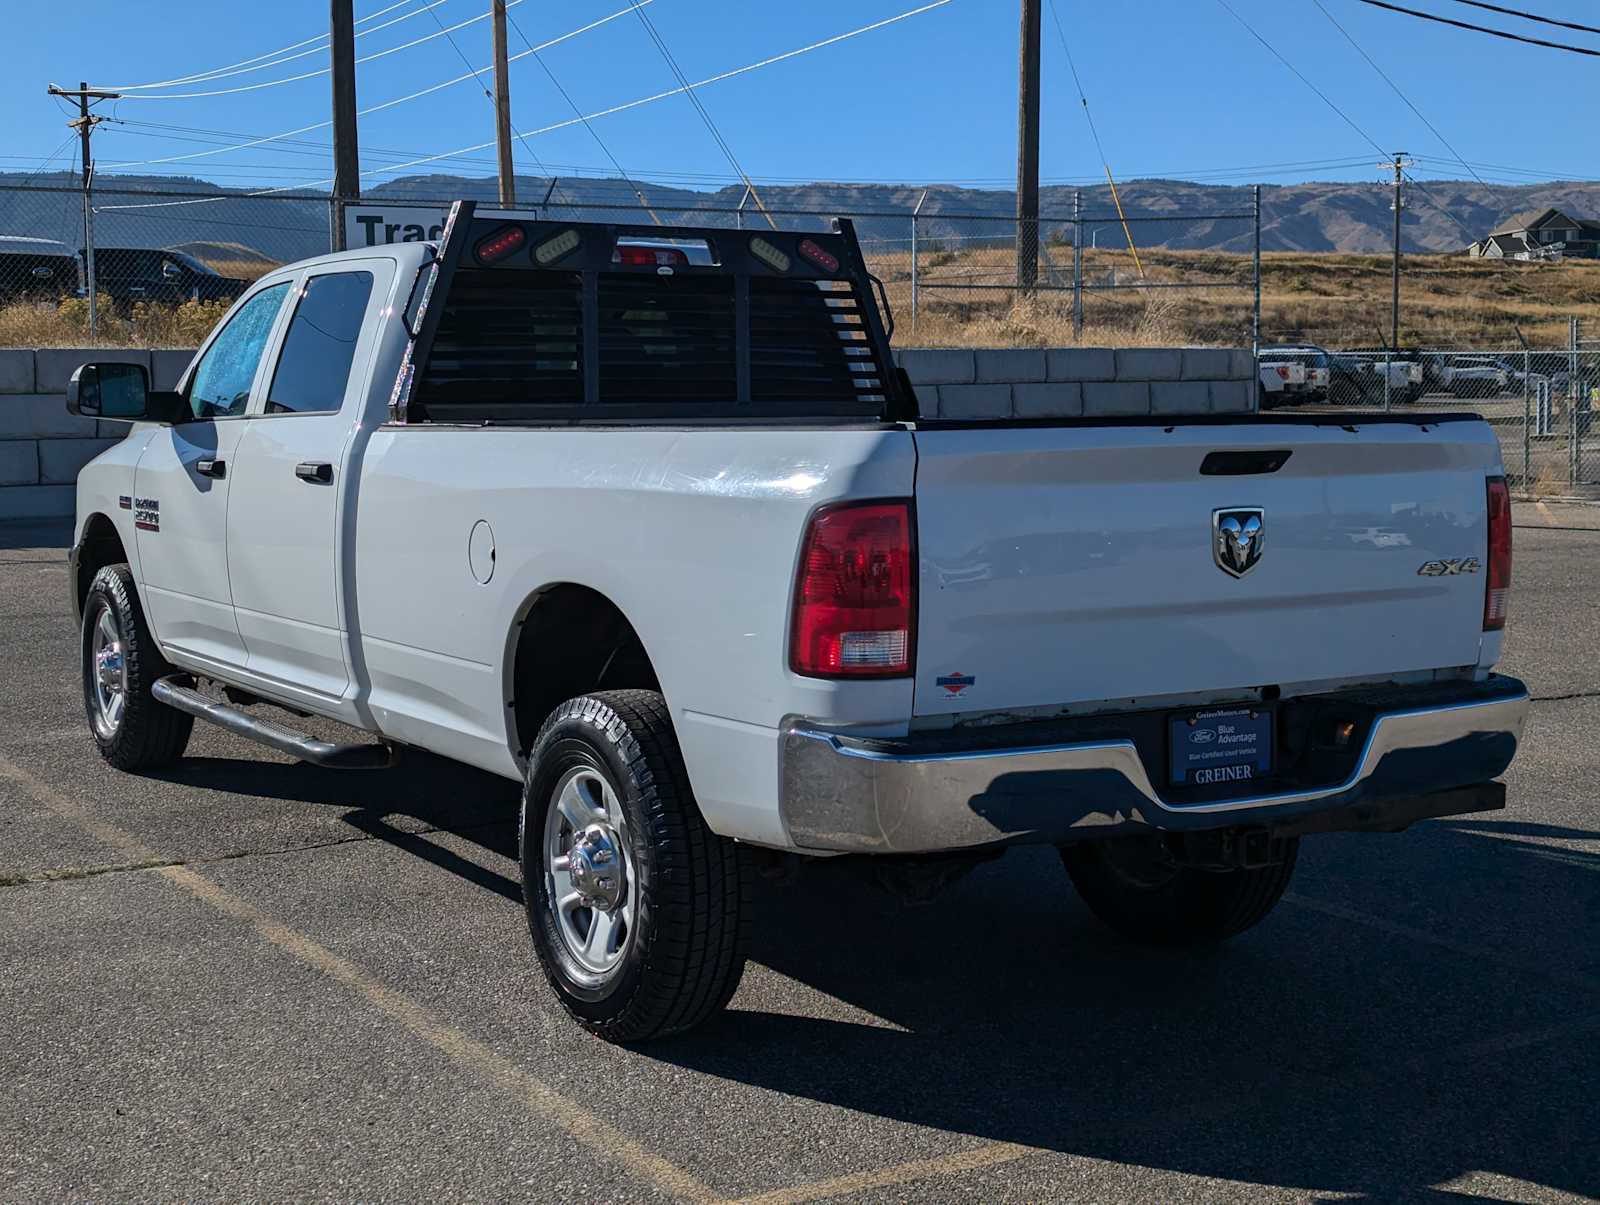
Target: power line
[632, 104]
[45, 163]
[1434, 201]
[1513, 12]
[305, 75]
[713, 79]
[1347, 119]
[705, 115]
[1384, 75]
[1104, 160]
[1498, 33]
[487, 94]
[317, 44]
[388, 104]
[1343, 116]
[593, 133]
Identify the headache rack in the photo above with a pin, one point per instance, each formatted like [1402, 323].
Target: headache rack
[522, 319]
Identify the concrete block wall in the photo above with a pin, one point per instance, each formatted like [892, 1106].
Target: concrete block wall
[42, 447]
[1078, 382]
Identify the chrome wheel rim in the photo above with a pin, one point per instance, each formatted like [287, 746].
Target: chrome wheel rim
[589, 881]
[108, 673]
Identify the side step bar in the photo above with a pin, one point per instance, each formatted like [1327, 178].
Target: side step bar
[174, 693]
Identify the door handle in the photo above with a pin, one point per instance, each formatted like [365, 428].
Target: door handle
[211, 468]
[314, 470]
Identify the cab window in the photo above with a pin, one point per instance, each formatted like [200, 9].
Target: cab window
[220, 387]
[314, 366]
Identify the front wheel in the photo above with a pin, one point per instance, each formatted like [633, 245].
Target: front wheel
[1134, 886]
[121, 662]
[639, 913]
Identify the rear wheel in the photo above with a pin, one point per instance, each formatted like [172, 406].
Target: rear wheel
[1135, 886]
[639, 913]
[120, 664]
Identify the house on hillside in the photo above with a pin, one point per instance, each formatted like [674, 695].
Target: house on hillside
[1541, 234]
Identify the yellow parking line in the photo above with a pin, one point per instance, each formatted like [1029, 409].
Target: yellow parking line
[954, 1164]
[540, 1099]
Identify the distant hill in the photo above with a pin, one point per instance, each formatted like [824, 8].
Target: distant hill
[1310, 217]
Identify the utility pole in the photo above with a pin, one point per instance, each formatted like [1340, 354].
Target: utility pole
[346, 152]
[1400, 163]
[1028, 150]
[502, 107]
[85, 125]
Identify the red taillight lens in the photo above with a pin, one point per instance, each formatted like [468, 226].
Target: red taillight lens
[650, 257]
[500, 244]
[855, 601]
[1497, 590]
[823, 260]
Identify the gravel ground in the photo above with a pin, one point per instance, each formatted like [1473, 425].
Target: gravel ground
[249, 978]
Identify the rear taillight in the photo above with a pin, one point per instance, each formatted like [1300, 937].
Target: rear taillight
[1497, 590]
[500, 244]
[855, 601]
[649, 257]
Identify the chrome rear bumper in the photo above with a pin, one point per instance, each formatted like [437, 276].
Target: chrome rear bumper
[869, 796]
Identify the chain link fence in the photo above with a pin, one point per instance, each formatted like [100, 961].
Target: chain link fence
[167, 264]
[163, 261]
[1540, 402]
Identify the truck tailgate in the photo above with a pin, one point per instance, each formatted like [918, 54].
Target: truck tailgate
[1073, 564]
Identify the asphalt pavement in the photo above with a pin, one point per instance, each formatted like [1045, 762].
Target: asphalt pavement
[249, 978]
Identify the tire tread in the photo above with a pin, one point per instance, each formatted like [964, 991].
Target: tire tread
[152, 734]
[700, 931]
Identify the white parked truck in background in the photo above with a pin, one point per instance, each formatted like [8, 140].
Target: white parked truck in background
[664, 537]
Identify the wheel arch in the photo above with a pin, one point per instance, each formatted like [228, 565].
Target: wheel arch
[99, 544]
[567, 639]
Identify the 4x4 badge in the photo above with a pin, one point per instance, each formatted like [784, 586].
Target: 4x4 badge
[1449, 568]
[1236, 538]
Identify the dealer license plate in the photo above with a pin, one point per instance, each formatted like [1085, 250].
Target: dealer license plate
[1229, 745]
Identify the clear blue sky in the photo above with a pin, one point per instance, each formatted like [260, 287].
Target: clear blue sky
[1178, 87]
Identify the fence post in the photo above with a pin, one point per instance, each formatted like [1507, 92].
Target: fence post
[1077, 264]
[1572, 401]
[915, 214]
[1255, 313]
[1527, 408]
[88, 255]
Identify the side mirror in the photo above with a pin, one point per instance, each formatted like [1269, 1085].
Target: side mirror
[171, 271]
[121, 392]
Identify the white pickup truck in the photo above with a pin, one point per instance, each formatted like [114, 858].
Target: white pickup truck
[664, 537]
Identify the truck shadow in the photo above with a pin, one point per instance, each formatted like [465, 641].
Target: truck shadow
[1316, 1053]
[402, 806]
[1421, 1008]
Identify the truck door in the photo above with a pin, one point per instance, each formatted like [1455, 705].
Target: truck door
[180, 495]
[284, 534]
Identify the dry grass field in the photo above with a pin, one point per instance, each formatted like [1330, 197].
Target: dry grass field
[66, 324]
[1335, 300]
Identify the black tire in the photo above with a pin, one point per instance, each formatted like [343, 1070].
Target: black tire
[691, 914]
[148, 734]
[1126, 883]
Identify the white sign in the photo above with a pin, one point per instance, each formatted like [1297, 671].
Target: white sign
[376, 225]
